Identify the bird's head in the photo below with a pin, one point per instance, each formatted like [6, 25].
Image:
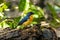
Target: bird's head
[30, 13]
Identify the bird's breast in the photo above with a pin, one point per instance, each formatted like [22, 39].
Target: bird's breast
[28, 21]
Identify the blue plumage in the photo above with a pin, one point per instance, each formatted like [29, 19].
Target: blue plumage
[25, 18]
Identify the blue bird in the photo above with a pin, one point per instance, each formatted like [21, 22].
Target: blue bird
[27, 19]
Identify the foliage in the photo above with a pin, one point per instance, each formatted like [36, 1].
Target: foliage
[2, 20]
[56, 21]
[1, 1]
[26, 6]
[23, 4]
[38, 12]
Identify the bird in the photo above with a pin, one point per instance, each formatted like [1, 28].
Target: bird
[26, 20]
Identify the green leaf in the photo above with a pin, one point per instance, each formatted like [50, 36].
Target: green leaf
[56, 20]
[3, 24]
[1, 15]
[1, 1]
[53, 11]
[3, 6]
[22, 4]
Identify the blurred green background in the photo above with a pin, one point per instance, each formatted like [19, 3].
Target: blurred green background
[12, 11]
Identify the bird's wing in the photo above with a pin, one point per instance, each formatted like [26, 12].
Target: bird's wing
[23, 20]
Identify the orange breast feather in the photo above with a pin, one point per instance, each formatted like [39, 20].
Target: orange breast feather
[28, 21]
